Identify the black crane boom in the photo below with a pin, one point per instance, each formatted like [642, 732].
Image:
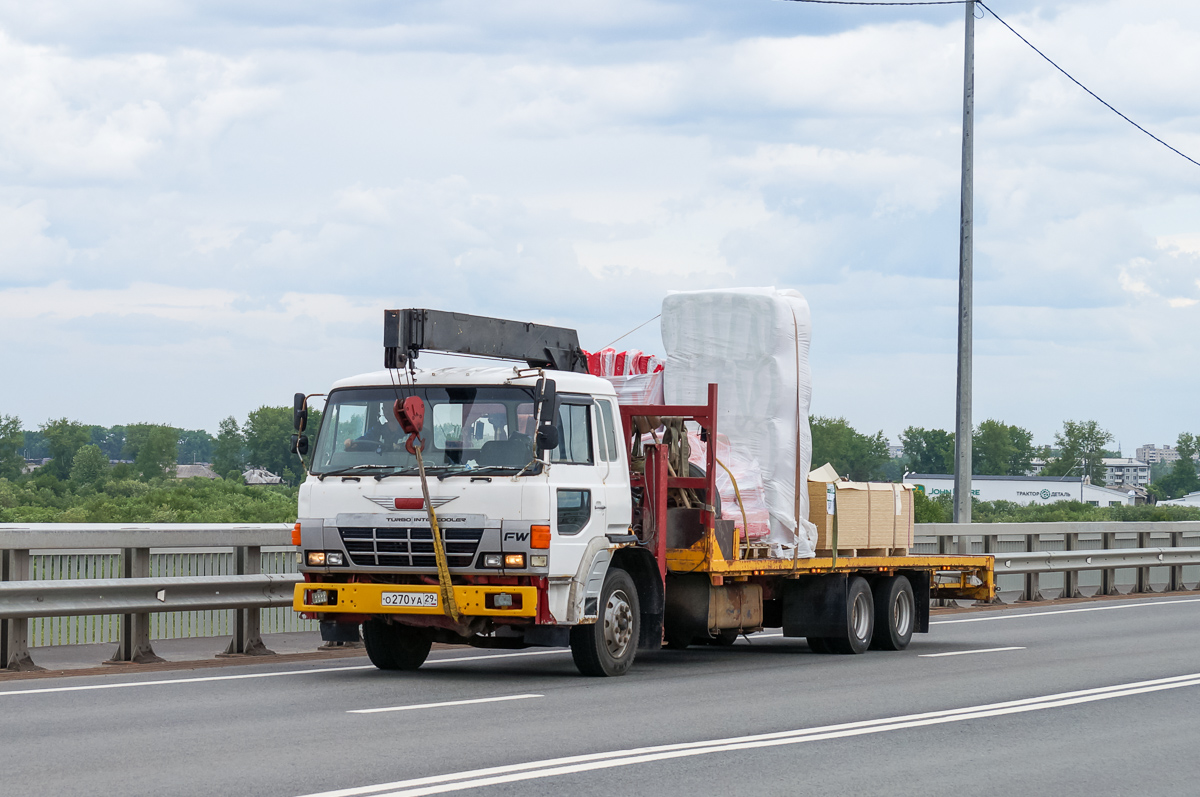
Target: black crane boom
[406, 333]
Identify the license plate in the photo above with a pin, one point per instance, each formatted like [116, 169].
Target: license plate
[427, 600]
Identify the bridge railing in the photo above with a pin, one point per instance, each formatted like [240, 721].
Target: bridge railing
[70, 583]
[79, 583]
[1034, 560]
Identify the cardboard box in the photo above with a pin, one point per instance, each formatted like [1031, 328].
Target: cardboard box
[870, 514]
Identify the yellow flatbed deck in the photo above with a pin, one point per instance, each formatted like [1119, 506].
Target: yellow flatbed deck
[954, 576]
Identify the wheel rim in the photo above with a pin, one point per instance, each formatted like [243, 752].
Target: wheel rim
[860, 618]
[902, 613]
[618, 624]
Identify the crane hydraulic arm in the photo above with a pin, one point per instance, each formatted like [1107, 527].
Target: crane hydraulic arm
[406, 333]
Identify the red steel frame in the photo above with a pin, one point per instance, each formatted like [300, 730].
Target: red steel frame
[657, 479]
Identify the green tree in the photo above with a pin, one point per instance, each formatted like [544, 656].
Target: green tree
[63, 438]
[11, 441]
[928, 450]
[195, 445]
[1182, 478]
[931, 510]
[228, 451]
[1081, 449]
[110, 440]
[90, 465]
[268, 438]
[851, 453]
[153, 449]
[998, 449]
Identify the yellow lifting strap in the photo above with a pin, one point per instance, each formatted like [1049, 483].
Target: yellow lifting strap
[439, 550]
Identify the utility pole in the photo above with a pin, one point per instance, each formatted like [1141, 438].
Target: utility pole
[962, 434]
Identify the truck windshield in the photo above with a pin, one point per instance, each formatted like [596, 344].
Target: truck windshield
[465, 428]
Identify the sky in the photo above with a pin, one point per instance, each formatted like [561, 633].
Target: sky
[205, 207]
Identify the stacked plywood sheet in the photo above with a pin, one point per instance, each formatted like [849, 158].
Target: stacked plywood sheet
[871, 516]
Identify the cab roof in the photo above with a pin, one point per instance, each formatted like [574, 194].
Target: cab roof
[566, 381]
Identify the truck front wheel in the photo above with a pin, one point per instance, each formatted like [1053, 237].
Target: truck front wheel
[607, 647]
[396, 647]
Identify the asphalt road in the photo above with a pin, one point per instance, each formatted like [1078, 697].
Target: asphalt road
[1092, 698]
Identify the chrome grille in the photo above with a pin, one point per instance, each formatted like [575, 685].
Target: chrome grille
[408, 547]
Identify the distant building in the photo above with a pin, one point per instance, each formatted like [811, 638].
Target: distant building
[1023, 489]
[200, 470]
[1126, 472]
[1153, 455]
[895, 452]
[1191, 499]
[260, 476]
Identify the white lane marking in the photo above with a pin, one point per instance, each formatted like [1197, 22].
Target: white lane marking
[964, 652]
[441, 705]
[131, 684]
[206, 679]
[1138, 605]
[437, 784]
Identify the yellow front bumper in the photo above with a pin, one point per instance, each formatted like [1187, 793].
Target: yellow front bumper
[370, 599]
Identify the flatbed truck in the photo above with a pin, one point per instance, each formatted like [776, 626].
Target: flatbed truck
[528, 508]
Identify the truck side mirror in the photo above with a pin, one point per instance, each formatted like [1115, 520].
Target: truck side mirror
[299, 412]
[545, 397]
[300, 444]
[545, 392]
[547, 438]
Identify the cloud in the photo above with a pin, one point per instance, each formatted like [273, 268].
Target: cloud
[108, 117]
[217, 192]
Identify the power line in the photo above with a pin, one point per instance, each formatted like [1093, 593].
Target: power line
[1014, 32]
[1080, 85]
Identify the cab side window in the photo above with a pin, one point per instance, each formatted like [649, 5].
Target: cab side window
[574, 435]
[609, 451]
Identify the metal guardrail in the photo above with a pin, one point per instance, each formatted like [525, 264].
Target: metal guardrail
[25, 599]
[134, 594]
[1104, 548]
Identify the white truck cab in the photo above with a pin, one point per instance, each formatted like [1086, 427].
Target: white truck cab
[519, 473]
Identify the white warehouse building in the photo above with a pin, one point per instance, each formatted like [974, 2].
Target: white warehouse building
[1022, 489]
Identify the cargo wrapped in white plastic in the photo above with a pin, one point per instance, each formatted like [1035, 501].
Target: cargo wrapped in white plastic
[753, 343]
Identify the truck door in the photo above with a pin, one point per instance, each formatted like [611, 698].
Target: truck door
[611, 448]
[578, 511]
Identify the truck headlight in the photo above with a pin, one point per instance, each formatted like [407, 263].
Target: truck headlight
[316, 558]
[493, 560]
[514, 560]
[539, 561]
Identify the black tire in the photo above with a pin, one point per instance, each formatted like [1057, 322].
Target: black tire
[676, 640]
[396, 647]
[607, 647]
[895, 613]
[859, 623]
[818, 644]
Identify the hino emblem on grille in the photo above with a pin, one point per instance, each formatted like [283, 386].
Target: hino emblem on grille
[393, 504]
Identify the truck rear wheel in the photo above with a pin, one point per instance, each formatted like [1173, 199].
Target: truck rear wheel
[895, 610]
[859, 622]
[607, 647]
[396, 647]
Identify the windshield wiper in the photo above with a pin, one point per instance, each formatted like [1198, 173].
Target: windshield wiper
[353, 468]
[478, 471]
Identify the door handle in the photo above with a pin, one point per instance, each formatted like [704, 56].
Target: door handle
[601, 506]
